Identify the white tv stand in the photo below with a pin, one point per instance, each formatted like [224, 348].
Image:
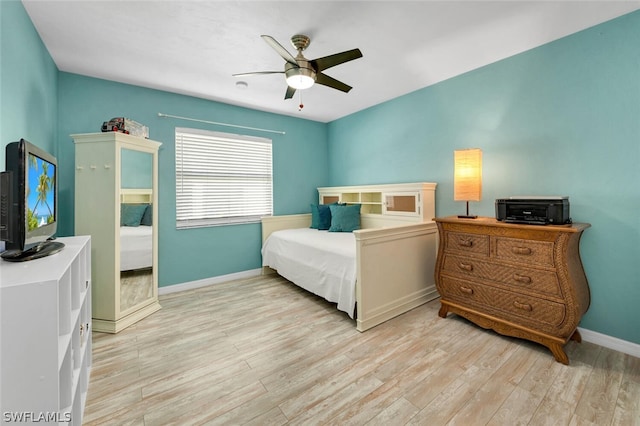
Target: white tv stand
[45, 335]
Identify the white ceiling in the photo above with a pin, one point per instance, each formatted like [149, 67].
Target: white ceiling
[194, 47]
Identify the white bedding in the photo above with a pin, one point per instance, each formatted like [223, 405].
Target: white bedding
[321, 262]
[136, 247]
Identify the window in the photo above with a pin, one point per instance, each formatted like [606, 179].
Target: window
[221, 178]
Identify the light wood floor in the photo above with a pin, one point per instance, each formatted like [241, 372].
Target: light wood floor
[264, 352]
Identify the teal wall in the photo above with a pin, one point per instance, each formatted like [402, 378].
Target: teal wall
[28, 83]
[562, 119]
[136, 169]
[299, 167]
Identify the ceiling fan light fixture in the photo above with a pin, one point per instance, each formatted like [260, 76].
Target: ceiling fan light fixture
[300, 78]
[301, 73]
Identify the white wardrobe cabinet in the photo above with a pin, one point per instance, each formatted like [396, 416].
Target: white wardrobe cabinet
[114, 168]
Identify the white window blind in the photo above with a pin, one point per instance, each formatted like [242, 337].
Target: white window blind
[221, 178]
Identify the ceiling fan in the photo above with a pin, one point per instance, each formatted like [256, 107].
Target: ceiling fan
[302, 73]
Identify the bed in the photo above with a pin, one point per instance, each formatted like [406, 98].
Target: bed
[374, 273]
[321, 262]
[136, 241]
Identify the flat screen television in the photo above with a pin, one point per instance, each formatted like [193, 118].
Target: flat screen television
[28, 203]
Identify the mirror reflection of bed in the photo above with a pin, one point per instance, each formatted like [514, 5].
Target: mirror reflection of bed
[136, 248]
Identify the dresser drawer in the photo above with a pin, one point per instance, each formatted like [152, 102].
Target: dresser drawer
[529, 310]
[533, 280]
[459, 242]
[520, 278]
[466, 267]
[524, 251]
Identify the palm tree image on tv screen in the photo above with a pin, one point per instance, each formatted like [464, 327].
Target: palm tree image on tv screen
[40, 193]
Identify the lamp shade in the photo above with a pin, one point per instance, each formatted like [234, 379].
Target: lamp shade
[300, 78]
[467, 175]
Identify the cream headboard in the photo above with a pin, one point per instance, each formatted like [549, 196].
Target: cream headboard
[382, 206]
[136, 195]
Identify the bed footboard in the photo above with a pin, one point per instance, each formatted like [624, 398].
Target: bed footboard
[395, 271]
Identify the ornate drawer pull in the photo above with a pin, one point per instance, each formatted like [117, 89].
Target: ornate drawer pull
[465, 243]
[522, 278]
[521, 250]
[466, 290]
[465, 266]
[523, 306]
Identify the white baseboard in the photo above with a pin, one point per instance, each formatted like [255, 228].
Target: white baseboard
[610, 342]
[209, 281]
[587, 335]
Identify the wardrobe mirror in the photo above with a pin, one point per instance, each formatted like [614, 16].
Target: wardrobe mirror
[136, 228]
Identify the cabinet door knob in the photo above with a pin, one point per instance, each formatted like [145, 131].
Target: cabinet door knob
[522, 278]
[465, 243]
[521, 250]
[466, 290]
[465, 266]
[523, 306]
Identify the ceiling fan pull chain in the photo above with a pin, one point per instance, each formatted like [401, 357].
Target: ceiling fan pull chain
[301, 105]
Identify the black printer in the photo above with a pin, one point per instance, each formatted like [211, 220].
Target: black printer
[534, 210]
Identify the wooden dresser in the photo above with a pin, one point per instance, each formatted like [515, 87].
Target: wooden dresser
[524, 281]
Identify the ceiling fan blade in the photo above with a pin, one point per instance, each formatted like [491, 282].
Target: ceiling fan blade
[245, 74]
[323, 63]
[281, 50]
[290, 92]
[325, 80]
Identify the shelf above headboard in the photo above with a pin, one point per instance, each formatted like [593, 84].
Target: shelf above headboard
[386, 204]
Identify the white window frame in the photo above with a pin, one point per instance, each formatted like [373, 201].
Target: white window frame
[222, 178]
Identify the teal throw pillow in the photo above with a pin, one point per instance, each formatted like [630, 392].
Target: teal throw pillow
[344, 218]
[131, 214]
[147, 217]
[320, 216]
